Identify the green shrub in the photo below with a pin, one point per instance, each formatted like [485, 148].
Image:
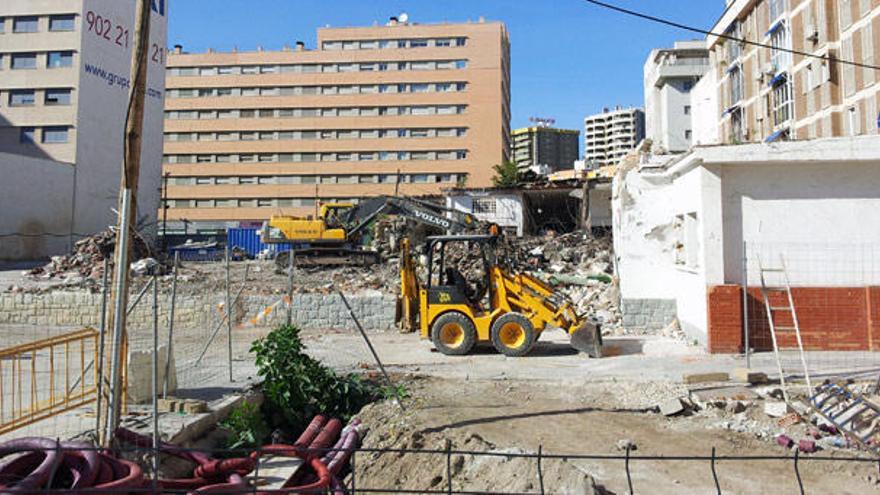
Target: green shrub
[297, 387]
[247, 425]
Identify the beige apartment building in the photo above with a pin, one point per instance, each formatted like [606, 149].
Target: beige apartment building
[766, 94]
[611, 135]
[412, 108]
[64, 86]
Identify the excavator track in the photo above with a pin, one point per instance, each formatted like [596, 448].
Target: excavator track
[327, 257]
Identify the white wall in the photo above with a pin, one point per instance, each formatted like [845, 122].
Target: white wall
[823, 217]
[600, 207]
[704, 111]
[35, 198]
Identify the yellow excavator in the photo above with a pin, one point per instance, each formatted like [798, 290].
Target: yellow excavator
[341, 232]
[508, 310]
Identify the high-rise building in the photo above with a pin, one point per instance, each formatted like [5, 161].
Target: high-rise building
[670, 75]
[65, 70]
[610, 135]
[539, 145]
[405, 107]
[767, 94]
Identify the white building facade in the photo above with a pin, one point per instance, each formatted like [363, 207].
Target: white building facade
[684, 225]
[670, 77]
[64, 88]
[611, 135]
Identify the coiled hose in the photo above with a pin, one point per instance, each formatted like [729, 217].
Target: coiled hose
[86, 470]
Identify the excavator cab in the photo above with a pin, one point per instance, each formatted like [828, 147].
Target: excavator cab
[470, 297]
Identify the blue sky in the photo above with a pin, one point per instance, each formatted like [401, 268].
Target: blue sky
[569, 58]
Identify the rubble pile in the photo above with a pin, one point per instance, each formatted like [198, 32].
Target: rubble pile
[85, 265]
[578, 265]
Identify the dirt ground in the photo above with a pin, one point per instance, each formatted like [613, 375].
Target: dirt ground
[570, 404]
[511, 416]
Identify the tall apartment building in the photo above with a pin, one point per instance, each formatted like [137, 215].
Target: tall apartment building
[670, 76]
[766, 94]
[64, 87]
[404, 107]
[540, 145]
[610, 135]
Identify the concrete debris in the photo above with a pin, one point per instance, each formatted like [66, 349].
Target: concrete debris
[776, 409]
[84, 266]
[671, 407]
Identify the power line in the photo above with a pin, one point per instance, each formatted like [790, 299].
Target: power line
[685, 27]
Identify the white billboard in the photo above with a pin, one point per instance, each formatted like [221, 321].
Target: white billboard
[107, 31]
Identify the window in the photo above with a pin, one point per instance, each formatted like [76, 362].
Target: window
[419, 88]
[422, 65]
[27, 134]
[28, 24]
[208, 71]
[736, 85]
[777, 8]
[52, 135]
[779, 40]
[2, 25]
[461, 64]
[24, 60]
[443, 42]
[687, 86]
[460, 41]
[62, 22]
[55, 60]
[687, 134]
[486, 206]
[687, 109]
[57, 97]
[845, 9]
[225, 71]
[422, 43]
[868, 54]
[783, 102]
[734, 48]
[251, 69]
[687, 245]
[21, 98]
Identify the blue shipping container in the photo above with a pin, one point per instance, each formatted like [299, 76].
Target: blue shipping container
[249, 241]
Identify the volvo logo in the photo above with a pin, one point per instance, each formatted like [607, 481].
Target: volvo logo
[438, 221]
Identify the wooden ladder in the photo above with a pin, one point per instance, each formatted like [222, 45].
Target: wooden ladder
[772, 311]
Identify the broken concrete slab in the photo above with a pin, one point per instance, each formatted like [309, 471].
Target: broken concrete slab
[746, 375]
[789, 419]
[672, 407]
[776, 409]
[694, 378]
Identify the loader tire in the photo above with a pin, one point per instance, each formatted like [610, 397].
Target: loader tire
[513, 335]
[453, 334]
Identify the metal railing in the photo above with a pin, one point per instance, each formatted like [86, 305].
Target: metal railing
[41, 379]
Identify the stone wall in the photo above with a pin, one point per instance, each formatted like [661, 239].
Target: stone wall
[375, 310]
[648, 314]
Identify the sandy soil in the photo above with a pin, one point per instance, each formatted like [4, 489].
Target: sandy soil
[516, 416]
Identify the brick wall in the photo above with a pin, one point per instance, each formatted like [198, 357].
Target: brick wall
[830, 318]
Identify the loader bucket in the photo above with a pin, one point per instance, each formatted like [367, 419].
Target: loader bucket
[587, 338]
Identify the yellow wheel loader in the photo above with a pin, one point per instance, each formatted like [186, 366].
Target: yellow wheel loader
[508, 310]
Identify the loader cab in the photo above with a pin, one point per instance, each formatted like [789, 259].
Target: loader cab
[459, 269]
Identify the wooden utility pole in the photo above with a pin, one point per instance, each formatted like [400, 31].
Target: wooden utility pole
[128, 189]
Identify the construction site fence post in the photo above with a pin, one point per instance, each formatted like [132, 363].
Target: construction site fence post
[169, 351]
[99, 387]
[155, 382]
[228, 317]
[290, 286]
[745, 296]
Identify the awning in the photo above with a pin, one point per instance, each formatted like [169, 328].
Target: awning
[775, 27]
[780, 78]
[776, 135]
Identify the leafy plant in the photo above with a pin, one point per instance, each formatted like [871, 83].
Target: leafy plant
[506, 174]
[247, 425]
[297, 387]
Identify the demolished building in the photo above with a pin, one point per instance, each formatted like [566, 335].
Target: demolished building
[690, 231]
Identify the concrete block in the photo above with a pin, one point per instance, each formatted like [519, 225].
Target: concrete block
[671, 407]
[693, 378]
[776, 409]
[195, 407]
[140, 363]
[745, 375]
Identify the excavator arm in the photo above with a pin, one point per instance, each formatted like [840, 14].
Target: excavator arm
[419, 211]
